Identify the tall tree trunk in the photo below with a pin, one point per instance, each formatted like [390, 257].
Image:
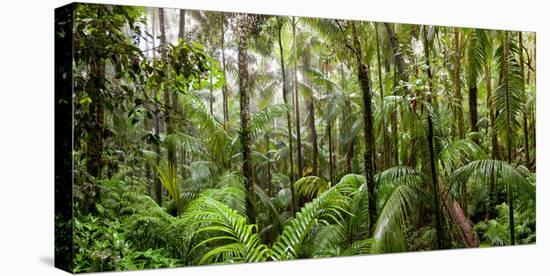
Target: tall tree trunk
[394, 130]
[167, 97]
[224, 86]
[297, 102]
[472, 103]
[243, 31]
[211, 97]
[433, 172]
[311, 116]
[494, 138]
[505, 60]
[157, 183]
[385, 145]
[330, 144]
[524, 111]
[146, 121]
[288, 119]
[363, 78]
[267, 154]
[401, 75]
[181, 31]
[394, 42]
[95, 133]
[459, 113]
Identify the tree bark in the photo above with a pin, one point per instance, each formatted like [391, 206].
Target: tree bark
[472, 103]
[167, 97]
[288, 118]
[394, 42]
[505, 59]
[459, 115]
[157, 182]
[181, 31]
[267, 148]
[494, 138]
[311, 117]
[224, 86]
[363, 78]
[330, 144]
[211, 97]
[243, 31]
[524, 111]
[394, 130]
[433, 172]
[96, 129]
[385, 145]
[297, 102]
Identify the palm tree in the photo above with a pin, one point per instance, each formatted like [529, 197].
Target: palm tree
[475, 59]
[507, 99]
[385, 141]
[297, 100]
[244, 25]
[280, 24]
[432, 166]
[368, 159]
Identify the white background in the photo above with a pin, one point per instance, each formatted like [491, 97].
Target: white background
[27, 135]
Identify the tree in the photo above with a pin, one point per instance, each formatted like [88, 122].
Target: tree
[507, 99]
[245, 23]
[385, 141]
[476, 56]
[297, 101]
[431, 150]
[459, 113]
[285, 91]
[224, 86]
[368, 158]
[310, 105]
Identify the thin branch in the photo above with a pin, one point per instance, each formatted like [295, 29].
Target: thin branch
[346, 40]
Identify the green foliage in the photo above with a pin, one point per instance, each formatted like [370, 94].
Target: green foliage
[169, 180]
[167, 116]
[102, 246]
[231, 238]
[496, 232]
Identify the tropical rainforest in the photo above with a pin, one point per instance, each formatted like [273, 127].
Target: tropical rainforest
[212, 138]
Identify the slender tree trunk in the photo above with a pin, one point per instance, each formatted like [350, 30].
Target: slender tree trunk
[346, 124]
[494, 138]
[399, 74]
[433, 172]
[267, 154]
[224, 86]
[394, 130]
[524, 111]
[311, 117]
[243, 31]
[297, 101]
[157, 183]
[363, 78]
[509, 143]
[459, 113]
[394, 42]
[211, 97]
[163, 45]
[181, 31]
[96, 130]
[146, 121]
[330, 144]
[386, 150]
[472, 103]
[167, 97]
[289, 120]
